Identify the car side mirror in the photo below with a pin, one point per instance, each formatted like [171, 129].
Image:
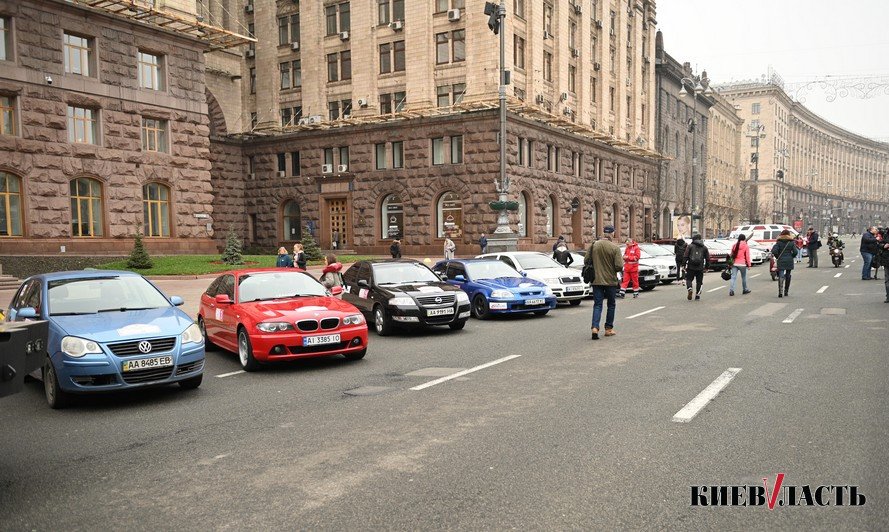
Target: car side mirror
[460, 278]
[27, 313]
[177, 301]
[363, 283]
[524, 273]
[223, 299]
[336, 290]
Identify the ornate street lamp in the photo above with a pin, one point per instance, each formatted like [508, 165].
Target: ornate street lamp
[699, 85]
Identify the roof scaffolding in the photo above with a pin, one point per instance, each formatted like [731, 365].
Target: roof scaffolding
[144, 12]
[514, 105]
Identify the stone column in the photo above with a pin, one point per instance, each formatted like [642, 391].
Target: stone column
[268, 83]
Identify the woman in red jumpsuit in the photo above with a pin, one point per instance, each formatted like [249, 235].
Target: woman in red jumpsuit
[632, 254]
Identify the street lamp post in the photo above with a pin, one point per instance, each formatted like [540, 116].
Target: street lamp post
[782, 177]
[699, 85]
[756, 131]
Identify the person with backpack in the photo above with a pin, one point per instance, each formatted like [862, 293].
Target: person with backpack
[632, 254]
[679, 251]
[604, 256]
[784, 250]
[562, 255]
[740, 262]
[696, 260]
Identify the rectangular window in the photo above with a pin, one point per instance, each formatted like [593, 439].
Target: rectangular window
[459, 91]
[7, 115]
[254, 120]
[398, 50]
[251, 164]
[154, 135]
[438, 150]
[521, 153]
[572, 35]
[296, 68]
[347, 108]
[150, 71]
[547, 66]
[344, 156]
[333, 109]
[286, 117]
[283, 31]
[549, 158]
[385, 58]
[458, 40]
[328, 156]
[593, 89]
[332, 68]
[611, 99]
[530, 153]
[548, 18]
[78, 54]
[558, 160]
[383, 15]
[294, 163]
[399, 98]
[441, 6]
[5, 39]
[572, 78]
[441, 48]
[457, 149]
[380, 156]
[345, 17]
[755, 108]
[385, 104]
[330, 18]
[294, 28]
[82, 125]
[518, 52]
[285, 75]
[398, 154]
[251, 32]
[629, 106]
[518, 7]
[397, 9]
[252, 81]
[282, 162]
[346, 64]
[443, 96]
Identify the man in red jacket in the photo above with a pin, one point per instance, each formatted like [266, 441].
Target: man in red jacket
[632, 254]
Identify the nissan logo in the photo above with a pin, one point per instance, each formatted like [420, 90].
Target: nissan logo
[145, 346]
[438, 299]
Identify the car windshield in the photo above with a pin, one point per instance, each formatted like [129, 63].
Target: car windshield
[655, 250]
[402, 273]
[103, 294]
[534, 261]
[277, 285]
[489, 269]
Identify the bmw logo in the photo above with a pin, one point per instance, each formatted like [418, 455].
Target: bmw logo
[145, 346]
[438, 299]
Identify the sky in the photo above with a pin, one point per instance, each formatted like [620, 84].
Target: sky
[802, 40]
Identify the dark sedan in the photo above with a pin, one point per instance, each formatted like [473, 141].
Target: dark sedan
[404, 293]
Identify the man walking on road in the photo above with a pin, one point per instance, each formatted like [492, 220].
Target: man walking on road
[813, 243]
[695, 260]
[869, 248]
[606, 259]
[679, 251]
[784, 250]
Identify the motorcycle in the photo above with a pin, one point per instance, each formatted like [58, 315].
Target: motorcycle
[836, 255]
[773, 267]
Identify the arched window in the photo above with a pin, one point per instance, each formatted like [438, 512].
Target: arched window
[524, 217]
[86, 207]
[156, 209]
[550, 213]
[392, 217]
[291, 221]
[10, 205]
[450, 215]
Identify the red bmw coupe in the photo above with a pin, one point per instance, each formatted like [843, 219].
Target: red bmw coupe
[270, 315]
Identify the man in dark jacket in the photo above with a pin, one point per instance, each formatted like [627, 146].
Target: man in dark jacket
[814, 243]
[784, 250]
[560, 240]
[869, 248]
[395, 249]
[483, 243]
[562, 255]
[679, 251]
[695, 260]
[606, 258]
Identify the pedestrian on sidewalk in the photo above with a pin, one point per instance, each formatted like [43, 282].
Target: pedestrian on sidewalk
[869, 247]
[395, 249]
[331, 275]
[813, 242]
[299, 256]
[483, 243]
[784, 250]
[562, 255]
[560, 240]
[679, 251]
[740, 262]
[800, 244]
[696, 260]
[632, 254]
[605, 258]
[449, 248]
[284, 259]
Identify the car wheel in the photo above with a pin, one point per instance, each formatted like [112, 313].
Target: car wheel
[358, 355]
[457, 325]
[245, 352]
[207, 343]
[575, 302]
[480, 307]
[668, 281]
[541, 312]
[192, 383]
[648, 288]
[55, 396]
[381, 322]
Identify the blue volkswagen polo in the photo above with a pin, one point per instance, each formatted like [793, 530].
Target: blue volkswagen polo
[109, 330]
[494, 287]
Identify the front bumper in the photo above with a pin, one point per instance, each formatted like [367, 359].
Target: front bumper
[519, 306]
[570, 292]
[419, 316]
[275, 347]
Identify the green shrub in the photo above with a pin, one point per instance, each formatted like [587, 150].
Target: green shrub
[232, 252]
[139, 259]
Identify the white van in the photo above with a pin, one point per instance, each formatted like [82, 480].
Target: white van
[762, 233]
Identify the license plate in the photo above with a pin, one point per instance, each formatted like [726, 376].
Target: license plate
[147, 363]
[535, 301]
[440, 311]
[321, 340]
[574, 288]
[648, 278]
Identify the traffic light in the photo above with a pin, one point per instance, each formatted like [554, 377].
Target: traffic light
[492, 10]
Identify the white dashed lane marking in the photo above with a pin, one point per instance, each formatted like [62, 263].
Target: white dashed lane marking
[229, 374]
[464, 372]
[793, 315]
[756, 275]
[715, 289]
[822, 289]
[649, 311]
[690, 410]
[847, 265]
[838, 275]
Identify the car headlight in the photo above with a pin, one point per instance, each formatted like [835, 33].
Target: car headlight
[501, 294]
[402, 302]
[462, 297]
[77, 347]
[552, 281]
[274, 326]
[192, 335]
[354, 319]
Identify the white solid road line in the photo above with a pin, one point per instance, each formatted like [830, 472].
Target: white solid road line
[793, 315]
[715, 289]
[838, 275]
[464, 372]
[822, 289]
[649, 311]
[847, 265]
[690, 410]
[754, 276]
[229, 374]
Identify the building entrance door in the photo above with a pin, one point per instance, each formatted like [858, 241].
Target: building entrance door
[338, 236]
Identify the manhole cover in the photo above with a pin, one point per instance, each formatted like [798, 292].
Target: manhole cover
[367, 390]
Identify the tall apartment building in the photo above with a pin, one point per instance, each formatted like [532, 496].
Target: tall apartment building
[368, 120]
[104, 126]
[725, 169]
[809, 171]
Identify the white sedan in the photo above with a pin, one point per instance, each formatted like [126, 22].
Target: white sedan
[565, 283]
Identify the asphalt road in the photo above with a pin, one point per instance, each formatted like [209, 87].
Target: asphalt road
[572, 434]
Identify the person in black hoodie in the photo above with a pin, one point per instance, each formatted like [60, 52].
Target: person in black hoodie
[696, 259]
[784, 250]
[869, 248]
[679, 250]
[562, 255]
[395, 249]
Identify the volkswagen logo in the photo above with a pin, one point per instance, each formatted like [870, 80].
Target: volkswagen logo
[438, 299]
[145, 346]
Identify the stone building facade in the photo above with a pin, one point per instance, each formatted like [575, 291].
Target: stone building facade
[725, 169]
[105, 133]
[810, 171]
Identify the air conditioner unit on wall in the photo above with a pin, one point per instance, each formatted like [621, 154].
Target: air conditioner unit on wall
[250, 54]
[597, 66]
[315, 119]
[397, 25]
[547, 35]
[564, 96]
[248, 8]
[598, 24]
[575, 52]
[453, 15]
[343, 168]
[577, 9]
[294, 46]
[251, 175]
[362, 102]
[280, 174]
[326, 168]
[539, 98]
[344, 35]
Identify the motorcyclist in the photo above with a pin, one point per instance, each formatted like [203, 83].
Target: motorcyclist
[834, 243]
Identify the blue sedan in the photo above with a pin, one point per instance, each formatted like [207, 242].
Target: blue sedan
[109, 330]
[494, 287]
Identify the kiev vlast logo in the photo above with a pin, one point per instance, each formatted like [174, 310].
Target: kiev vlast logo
[777, 495]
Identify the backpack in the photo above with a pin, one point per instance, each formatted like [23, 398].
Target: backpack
[588, 273]
[695, 257]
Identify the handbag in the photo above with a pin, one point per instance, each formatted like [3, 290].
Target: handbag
[726, 275]
[588, 273]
